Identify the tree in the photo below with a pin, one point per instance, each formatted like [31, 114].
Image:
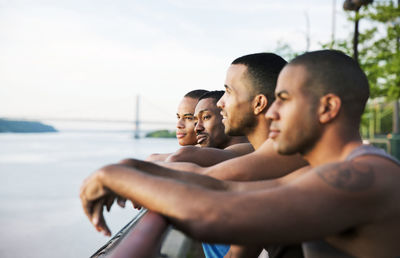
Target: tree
[378, 54]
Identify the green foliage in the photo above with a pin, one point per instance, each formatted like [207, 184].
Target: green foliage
[14, 126]
[161, 134]
[379, 57]
[379, 54]
[377, 119]
[285, 50]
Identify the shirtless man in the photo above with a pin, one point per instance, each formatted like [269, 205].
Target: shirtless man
[250, 85]
[249, 91]
[210, 131]
[185, 124]
[187, 136]
[346, 203]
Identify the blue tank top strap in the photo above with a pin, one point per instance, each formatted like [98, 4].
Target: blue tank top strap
[371, 150]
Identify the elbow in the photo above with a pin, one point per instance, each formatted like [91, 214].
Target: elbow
[201, 222]
[205, 228]
[181, 154]
[153, 157]
[129, 162]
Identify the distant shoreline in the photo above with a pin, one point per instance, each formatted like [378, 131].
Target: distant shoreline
[161, 134]
[22, 126]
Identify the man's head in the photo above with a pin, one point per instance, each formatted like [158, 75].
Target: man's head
[209, 127]
[185, 114]
[249, 91]
[316, 91]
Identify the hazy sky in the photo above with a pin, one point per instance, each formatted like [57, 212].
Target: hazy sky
[89, 59]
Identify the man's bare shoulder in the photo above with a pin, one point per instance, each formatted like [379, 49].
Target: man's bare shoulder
[240, 148]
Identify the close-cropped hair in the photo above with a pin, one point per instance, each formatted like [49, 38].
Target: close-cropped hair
[263, 70]
[332, 71]
[215, 94]
[195, 94]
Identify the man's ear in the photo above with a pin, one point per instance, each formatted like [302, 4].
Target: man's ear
[260, 104]
[329, 108]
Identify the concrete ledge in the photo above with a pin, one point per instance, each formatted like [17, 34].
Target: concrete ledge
[175, 245]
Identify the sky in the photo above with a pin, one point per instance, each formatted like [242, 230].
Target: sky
[90, 59]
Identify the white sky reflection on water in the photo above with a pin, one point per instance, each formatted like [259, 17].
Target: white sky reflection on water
[40, 176]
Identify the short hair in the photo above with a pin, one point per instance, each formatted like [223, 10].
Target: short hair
[215, 94]
[195, 94]
[263, 70]
[332, 71]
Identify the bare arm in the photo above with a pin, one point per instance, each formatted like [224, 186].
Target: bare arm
[264, 163]
[204, 156]
[340, 195]
[182, 166]
[158, 157]
[322, 202]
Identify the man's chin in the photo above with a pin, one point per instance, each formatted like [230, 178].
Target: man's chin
[233, 132]
[282, 150]
[203, 142]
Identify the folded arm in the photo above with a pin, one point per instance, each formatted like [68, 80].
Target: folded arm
[209, 210]
[204, 156]
[262, 164]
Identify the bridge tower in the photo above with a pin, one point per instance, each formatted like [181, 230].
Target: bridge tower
[137, 122]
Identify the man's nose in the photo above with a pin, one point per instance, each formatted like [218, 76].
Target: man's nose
[180, 124]
[199, 127]
[221, 102]
[272, 113]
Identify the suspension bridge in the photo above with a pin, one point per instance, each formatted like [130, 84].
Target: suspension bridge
[136, 124]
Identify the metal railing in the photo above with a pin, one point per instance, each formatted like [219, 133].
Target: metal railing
[382, 143]
[142, 237]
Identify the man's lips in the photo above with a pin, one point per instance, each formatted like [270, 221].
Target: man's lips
[223, 116]
[201, 138]
[180, 135]
[273, 133]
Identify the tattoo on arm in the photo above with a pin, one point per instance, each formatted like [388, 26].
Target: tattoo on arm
[350, 176]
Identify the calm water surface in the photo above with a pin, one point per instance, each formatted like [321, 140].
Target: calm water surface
[40, 212]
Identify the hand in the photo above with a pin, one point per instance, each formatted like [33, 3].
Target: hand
[94, 196]
[122, 201]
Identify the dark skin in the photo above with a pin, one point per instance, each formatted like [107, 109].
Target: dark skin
[237, 104]
[357, 213]
[217, 147]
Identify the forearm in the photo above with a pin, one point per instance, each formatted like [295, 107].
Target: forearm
[165, 169]
[155, 193]
[182, 166]
[204, 156]
[158, 157]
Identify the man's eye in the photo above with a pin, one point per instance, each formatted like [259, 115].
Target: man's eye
[206, 117]
[189, 118]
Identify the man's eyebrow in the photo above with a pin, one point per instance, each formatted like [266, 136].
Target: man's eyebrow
[188, 114]
[279, 94]
[201, 112]
[226, 87]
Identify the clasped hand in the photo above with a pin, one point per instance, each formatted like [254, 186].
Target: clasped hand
[94, 197]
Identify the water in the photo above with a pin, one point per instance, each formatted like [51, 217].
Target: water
[40, 212]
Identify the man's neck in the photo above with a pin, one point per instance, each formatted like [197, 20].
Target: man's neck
[334, 145]
[259, 134]
[235, 140]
